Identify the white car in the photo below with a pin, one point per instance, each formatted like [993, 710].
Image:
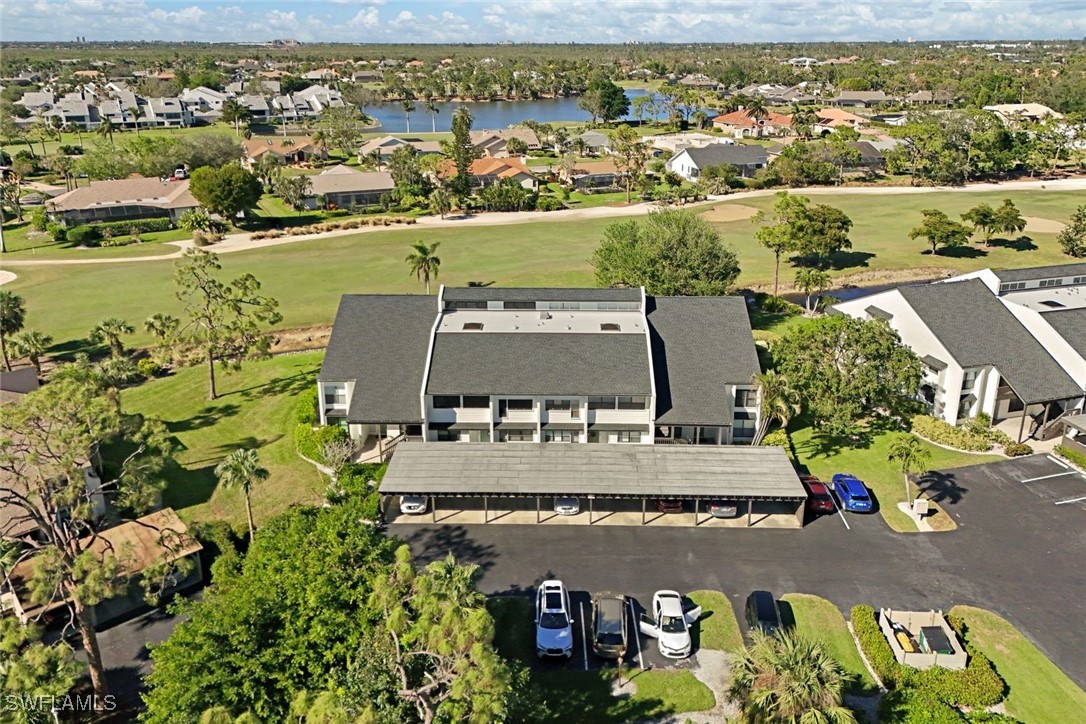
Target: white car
[412, 504]
[670, 624]
[567, 506]
[553, 623]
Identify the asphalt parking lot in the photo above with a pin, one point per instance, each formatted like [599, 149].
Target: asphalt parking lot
[1016, 553]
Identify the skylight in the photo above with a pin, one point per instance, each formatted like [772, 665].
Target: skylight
[473, 326]
[610, 327]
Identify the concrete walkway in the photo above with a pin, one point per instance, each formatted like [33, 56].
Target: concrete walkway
[245, 242]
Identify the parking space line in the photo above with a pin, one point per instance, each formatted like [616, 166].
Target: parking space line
[1059, 462]
[584, 638]
[840, 513]
[1070, 500]
[637, 634]
[1046, 477]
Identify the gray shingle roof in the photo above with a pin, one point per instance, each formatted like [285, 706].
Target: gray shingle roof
[529, 469]
[736, 155]
[1071, 325]
[381, 342]
[477, 363]
[978, 330]
[540, 294]
[699, 344]
[1041, 272]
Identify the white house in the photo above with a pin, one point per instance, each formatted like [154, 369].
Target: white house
[542, 365]
[1010, 343]
[691, 162]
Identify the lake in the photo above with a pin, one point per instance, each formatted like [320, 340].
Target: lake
[493, 115]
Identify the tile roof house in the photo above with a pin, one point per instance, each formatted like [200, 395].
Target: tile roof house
[1032, 112]
[493, 143]
[742, 125]
[860, 99]
[489, 171]
[289, 149]
[130, 198]
[1008, 343]
[542, 365]
[386, 145]
[690, 162]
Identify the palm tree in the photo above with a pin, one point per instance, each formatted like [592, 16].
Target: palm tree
[911, 456]
[803, 121]
[12, 318]
[788, 678]
[408, 108]
[779, 403]
[31, 344]
[241, 469]
[105, 129]
[440, 202]
[812, 282]
[234, 112]
[423, 262]
[449, 581]
[320, 140]
[433, 110]
[110, 332]
[135, 111]
[756, 108]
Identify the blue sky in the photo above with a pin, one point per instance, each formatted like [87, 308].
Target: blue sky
[363, 21]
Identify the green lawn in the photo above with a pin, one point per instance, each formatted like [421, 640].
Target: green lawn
[824, 456]
[717, 628]
[1038, 690]
[25, 244]
[89, 138]
[255, 409]
[817, 618]
[585, 696]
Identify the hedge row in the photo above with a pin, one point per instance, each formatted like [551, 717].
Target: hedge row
[310, 441]
[978, 685]
[305, 407]
[1073, 455]
[334, 226]
[946, 434]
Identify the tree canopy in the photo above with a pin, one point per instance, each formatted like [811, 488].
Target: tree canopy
[226, 191]
[671, 252]
[604, 100]
[940, 231]
[849, 371]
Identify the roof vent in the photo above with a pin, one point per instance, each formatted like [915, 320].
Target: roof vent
[473, 326]
[610, 327]
[544, 315]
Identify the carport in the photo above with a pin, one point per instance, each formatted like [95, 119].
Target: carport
[615, 483]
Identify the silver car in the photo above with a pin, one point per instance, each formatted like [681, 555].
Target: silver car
[567, 506]
[412, 504]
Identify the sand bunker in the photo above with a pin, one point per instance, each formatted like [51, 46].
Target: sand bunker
[1039, 225]
[729, 212]
[6, 276]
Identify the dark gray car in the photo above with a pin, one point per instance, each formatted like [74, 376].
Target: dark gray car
[609, 617]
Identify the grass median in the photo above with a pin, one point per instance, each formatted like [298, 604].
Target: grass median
[818, 619]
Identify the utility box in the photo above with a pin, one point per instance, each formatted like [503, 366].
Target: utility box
[921, 507]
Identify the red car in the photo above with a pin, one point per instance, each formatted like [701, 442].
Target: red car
[669, 506]
[819, 499]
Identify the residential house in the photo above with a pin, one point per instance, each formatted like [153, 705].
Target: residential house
[929, 98]
[871, 157]
[493, 143]
[37, 101]
[691, 162]
[671, 143]
[1007, 343]
[256, 86]
[259, 109]
[596, 142]
[160, 537]
[594, 175]
[485, 364]
[740, 124]
[319, 98]
[860, 99]
[130, 198]
[699, 81]
[204, 103]
[490, 171]
[386, 145]
[1018, 112]
[321, 75]
[167, 113]
[830, 119]
[344, 187]
[289, 150]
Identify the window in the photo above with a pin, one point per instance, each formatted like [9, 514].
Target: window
[558, 435]
[446, 402]
[473, 327]
[1050, 283]
[519, 305]
[335, 396]
[475, 401]
[447, 435]
[629, 436]
[742, 428]
[1012, 286]
[465, 305]
[507, 406]
[601, 403]
[746, 398]
[1079, 280]
[631, 403]
[564, 405]
[969, 378]
[515, 436]
[610, 327]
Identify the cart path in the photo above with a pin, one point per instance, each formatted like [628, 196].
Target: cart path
[245, 242]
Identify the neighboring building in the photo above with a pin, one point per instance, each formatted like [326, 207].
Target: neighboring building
[290, 150]
[259, 109]
[741, 124]
[830, 119]
[596, 142]
[594, 175]
[343, 187]
[542, 365]
[204, 103]
[671, 143]
[1010, 343]
[166, 113]
[928, 98]
[494, 143]
[860, 99]
[690, 162]
[490, 171]
[1017, 112]
[130, 198]
[137, 545]
[386, 145]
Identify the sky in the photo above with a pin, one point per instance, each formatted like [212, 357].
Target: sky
[549, 21]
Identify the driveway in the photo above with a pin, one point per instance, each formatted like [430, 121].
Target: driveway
[1016, 553]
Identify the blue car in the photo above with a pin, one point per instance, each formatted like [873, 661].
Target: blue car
[852, 493]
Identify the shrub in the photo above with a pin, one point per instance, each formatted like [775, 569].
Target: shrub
[978, 685]
[119, 241]
[69, 150]
[310, 441]
[305, 407]
[912, 706]
[149, 368]
[943, 433]
[38, 220]
[549, 203]
[774, 305]
[776, 438]
[200, 239]
[1017, 449]
[59, 232]
[1073, 455]
[137, 226]
[84, 235]
[334, 213]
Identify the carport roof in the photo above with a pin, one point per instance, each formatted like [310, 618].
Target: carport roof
[608, 471]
